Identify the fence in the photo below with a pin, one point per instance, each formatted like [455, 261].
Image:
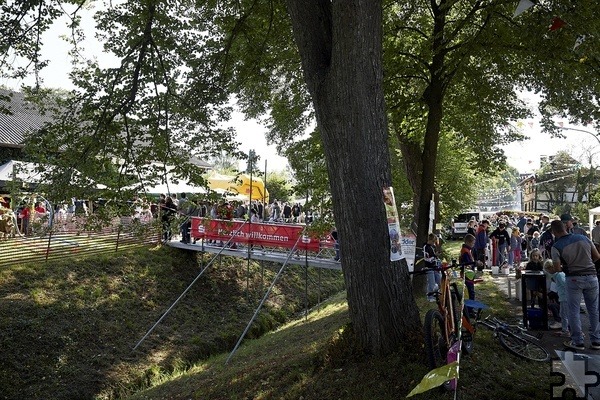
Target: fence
[80, 236]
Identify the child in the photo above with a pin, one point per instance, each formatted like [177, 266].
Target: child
[433, 277]
[535, 240]
[515, 248]
[561, 288]
[535, 264]
[466, 256]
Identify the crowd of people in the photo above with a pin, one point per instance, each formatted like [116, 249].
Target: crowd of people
[560, 248]
[169, 207]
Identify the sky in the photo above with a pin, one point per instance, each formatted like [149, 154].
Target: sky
[580, 142]
[525, 156]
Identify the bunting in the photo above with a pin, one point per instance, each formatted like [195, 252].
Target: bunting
[523, 6]
[580, 39]
[556, 24]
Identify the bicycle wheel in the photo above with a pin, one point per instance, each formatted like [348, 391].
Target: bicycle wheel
[436, 348]
[523, 347]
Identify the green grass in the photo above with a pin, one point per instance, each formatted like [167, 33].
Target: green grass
[67, 328]
[313, 359]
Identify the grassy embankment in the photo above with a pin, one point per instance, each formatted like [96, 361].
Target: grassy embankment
[67, 333]
[67, 328]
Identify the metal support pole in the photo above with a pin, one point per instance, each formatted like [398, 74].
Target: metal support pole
[319, 298]
[49, 244]
[265, 297]
[264, 194]
[306, 285]
[187, 289]
[118, 237]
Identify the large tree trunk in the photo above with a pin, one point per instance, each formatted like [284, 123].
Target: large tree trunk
[340, 47]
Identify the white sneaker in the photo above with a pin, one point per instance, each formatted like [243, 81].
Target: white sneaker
[555, 325]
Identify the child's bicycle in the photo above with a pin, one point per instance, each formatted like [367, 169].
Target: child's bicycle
[516, 340]
[442, 325]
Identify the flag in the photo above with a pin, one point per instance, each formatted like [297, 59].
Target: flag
[523, 6]
[580, 39]
[436, 377]
[557, 23]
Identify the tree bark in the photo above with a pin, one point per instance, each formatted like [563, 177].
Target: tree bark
[341, 51]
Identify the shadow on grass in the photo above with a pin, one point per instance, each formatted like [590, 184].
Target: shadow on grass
[289, 364]
[67, 328]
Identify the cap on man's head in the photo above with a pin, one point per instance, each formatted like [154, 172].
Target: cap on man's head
[566, 217]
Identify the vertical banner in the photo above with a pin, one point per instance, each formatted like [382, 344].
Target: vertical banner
[393, 224]
[409, 247]
[431, 213]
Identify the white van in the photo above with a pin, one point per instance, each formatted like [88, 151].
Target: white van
[460, 222]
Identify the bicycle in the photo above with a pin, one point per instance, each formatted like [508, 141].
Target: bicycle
[441, 325]
[516, 340]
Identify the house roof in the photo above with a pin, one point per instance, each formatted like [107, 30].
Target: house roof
[528, 178]
[18, 117]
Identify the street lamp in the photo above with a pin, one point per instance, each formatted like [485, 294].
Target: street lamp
[595, 135]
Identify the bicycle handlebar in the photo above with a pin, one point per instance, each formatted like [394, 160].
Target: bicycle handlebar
[441, 267]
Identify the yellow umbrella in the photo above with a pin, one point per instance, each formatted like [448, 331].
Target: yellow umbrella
[240, 185]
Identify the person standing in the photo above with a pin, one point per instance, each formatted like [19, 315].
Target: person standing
[578, 229]
[503, 238]
[168, 212]
[336, 246]
[567, 219]
[575, 254]
[514, 255]
[25, 217]
[596, 233]
[468, 269]
[481, 241]
[546, 242]
[522, 221]
[472, 227]
[287, 212]
[183, 207]
[430, 256]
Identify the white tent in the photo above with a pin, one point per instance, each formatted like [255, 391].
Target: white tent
[169, 187]
[165, 182]
[26, 172]
[593, 213]
[23, 171]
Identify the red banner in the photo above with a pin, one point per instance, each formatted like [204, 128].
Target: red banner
[268, 235]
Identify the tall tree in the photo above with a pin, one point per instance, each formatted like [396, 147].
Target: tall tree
[178, 63]
[340, 45]
[444, 73]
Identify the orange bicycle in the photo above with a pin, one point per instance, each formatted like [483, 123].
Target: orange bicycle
[443, 326]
